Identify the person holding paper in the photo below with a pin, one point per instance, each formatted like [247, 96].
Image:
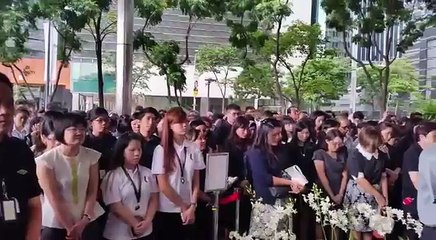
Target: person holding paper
[263, 163]
[177, 164]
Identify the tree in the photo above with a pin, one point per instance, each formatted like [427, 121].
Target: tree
[219, 60]
[101, 23]
[403, 80]
[68, 17]
[300, 40]
[255, 81]
[323, 79]
[365, 21]
[17, 17]
[165, 54]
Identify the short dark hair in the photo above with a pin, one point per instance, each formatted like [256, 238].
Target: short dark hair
[22, 109]
[289, 110]
[249, 108]
[146, 110]
[233, 106]
[96, 113]
[67, 120]
[4, 79]
[358, 115]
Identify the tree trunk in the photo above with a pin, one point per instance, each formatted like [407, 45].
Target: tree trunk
[385, 81]
[98, 53]
[176, 95]
[58, 77]
[169, 93]
[223, 101]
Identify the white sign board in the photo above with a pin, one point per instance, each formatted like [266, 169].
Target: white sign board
[217, 165]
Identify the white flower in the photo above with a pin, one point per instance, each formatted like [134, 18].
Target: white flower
[381, 224]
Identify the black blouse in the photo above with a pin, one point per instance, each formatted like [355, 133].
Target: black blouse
[372, 169]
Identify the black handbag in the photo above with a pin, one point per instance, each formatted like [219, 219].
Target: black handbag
[281, 191]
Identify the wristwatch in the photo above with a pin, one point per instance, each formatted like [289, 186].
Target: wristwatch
[193, 204]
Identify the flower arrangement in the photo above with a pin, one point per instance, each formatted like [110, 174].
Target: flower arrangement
[346, 218]
[274, 222]
[269, 222]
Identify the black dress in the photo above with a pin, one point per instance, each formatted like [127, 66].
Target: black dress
[237, 168]
[304, 219]
[372, 169]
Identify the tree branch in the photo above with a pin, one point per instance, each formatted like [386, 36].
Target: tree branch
[188, 33]
[107, 27]
[218, 83]
[58, 76]
[89, 29]
[15, 78]
[347, 51]
[25, 80]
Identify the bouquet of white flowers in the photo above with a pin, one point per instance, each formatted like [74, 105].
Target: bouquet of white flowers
[269, 222]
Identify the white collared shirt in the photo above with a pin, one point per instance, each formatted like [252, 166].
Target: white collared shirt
[62, 169]
[368, 156]
[19, 134]
[117, 187]
[194, 161]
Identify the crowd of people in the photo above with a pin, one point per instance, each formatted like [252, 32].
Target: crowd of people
[100, 175]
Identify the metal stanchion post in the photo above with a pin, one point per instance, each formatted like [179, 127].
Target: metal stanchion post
[238, 206]
[216, 215]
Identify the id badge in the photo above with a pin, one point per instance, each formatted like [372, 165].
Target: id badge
[9, 210]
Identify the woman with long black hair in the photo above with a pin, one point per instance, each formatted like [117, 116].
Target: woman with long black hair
[130, 191]
[177, 164]
[236, 145]
[302, 149]
[263, 162]
[199, 134]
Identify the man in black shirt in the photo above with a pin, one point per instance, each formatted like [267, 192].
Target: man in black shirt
[147, 128]
[17, 176]
[222, 130]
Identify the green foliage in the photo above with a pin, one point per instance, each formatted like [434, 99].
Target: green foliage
[165, 54]
[255, 81]
[68, 17]
[324, 79]
[300, 39]
[428, 109]
[17, 17]
[403, 79]
[366, 19]
[216, 59]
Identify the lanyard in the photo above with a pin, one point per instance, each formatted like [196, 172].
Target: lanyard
[135, 189]
[182, 167]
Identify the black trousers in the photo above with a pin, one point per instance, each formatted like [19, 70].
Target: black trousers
[168, 226]
[428, 233]
[91, 232]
